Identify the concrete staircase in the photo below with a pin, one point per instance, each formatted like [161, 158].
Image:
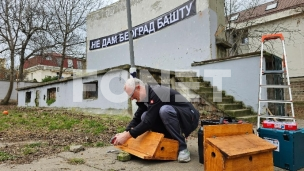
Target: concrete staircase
[208, 98]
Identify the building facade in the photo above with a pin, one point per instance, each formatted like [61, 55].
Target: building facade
[166, 39]
[167, 34]
[280, 16]
[40, 67]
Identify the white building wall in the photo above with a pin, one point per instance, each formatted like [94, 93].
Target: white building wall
[243, 82]
[69, 93]
[5, 85]
[173, 47]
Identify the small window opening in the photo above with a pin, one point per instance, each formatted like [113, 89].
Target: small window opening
[51, 94]
[234, 17]
[271, 6]
[90, 90]
[28, 97]
[48, 58]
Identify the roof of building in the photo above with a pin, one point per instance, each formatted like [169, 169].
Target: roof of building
[267, 9]
[52, 59]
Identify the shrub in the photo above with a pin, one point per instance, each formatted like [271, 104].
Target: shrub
[49, 78]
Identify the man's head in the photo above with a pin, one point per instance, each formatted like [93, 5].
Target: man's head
[135, 89]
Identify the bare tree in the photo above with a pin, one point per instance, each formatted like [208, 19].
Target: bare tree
[69, 24]
[3, 69]
[34, 24]
[9, 31]
[240, 30]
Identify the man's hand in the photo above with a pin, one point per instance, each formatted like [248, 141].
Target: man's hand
[121, 138]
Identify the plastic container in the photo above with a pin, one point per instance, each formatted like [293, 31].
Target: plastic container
[289, 154]
[291, 126]
[286, 125]
[280, 125]
[268, 124]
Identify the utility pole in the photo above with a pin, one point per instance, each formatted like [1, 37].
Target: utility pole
[131, 47]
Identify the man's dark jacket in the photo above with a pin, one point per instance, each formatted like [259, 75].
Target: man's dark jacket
[157, 96]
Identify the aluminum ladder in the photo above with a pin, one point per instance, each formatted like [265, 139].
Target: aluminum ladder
[286, 84]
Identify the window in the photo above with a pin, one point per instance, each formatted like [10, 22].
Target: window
[234, 17]
[58, 61]
[28, 97]
[79, 65]
[271, 6]
[48, 58]
[70, 63]
[51, 94]
[90, 90]
[245, 40]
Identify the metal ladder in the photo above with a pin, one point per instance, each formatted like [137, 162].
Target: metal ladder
[286, 84]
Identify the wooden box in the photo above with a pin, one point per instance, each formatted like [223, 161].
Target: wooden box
[234, 147]
[153, 146]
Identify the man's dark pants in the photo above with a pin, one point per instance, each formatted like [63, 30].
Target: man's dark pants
[170, 120]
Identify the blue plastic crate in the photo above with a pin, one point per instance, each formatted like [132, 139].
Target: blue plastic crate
[290, 152]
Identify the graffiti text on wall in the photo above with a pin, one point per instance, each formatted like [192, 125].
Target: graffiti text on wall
[178, 14]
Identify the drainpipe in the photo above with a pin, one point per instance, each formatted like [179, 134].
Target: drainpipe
[131, 47]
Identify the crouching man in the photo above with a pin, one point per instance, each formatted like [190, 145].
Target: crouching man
[163, 110]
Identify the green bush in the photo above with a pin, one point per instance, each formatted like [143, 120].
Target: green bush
[51, 101]
[49, 78]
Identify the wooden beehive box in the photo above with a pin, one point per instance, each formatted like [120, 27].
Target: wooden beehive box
[234, 147]
[153, 146]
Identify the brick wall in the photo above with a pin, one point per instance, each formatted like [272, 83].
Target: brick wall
[297, 89]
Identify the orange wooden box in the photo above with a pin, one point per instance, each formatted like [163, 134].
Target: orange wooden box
[234, 147]
[153, 146]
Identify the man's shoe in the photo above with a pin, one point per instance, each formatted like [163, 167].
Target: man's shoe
[184, 156]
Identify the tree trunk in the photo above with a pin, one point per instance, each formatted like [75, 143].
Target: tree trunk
[10, 89]
[20, 75]
[62, 61]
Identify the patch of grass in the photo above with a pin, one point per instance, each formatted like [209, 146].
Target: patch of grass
[28, 150]
[62, 122]
[66, 148]
[39, 119]
[100, 144]
[92, 126]
[4, 125]
[124, 118]
[120, 129]
[31, 148]
[88, 144]
[76, 161]
[5, 156]
[33, 145]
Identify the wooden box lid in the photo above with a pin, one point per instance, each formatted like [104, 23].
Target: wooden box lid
[240, 145]
[151, 145]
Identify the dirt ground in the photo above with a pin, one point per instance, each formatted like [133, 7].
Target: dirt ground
[25, 146]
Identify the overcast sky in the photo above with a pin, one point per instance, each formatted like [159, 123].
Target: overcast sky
[239, 5]
[245, 2]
